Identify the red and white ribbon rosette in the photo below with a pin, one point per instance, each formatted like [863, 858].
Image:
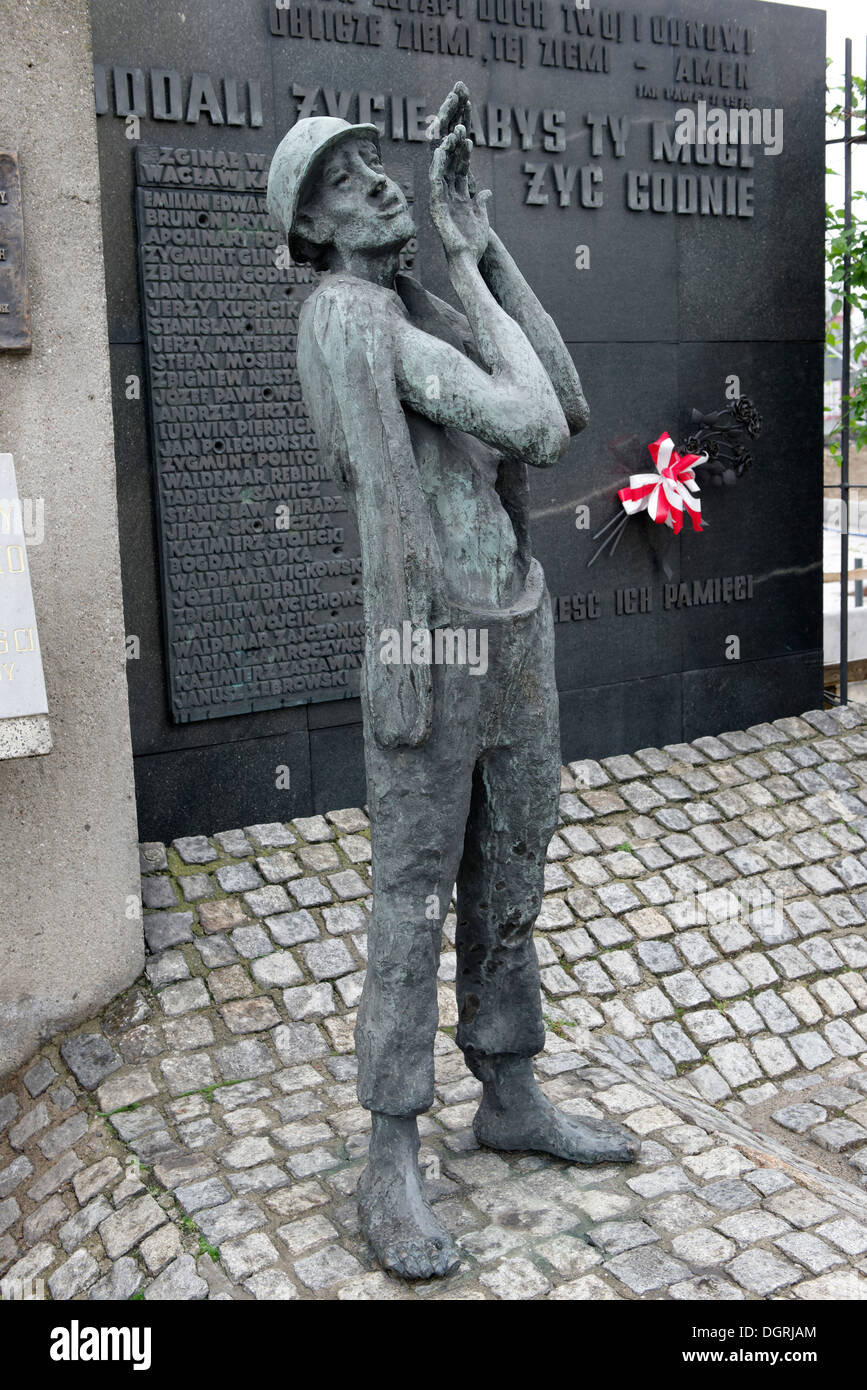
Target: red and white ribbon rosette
[670, 491]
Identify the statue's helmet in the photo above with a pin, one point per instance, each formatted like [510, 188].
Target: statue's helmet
[295, 159]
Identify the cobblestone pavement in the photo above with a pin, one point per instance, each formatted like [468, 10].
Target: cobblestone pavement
[703, 946]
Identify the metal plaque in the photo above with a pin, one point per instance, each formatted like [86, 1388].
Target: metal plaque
[14, 299]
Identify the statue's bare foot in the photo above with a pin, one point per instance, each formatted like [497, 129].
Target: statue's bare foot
[396, 1218]
[548, 1130]
[515, 1115]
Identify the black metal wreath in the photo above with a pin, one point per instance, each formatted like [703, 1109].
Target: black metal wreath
[721, 436]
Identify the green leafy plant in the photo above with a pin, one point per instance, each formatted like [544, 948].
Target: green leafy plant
[838, 244]
[556, 1025]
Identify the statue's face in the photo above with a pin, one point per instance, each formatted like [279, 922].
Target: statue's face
[353, 204]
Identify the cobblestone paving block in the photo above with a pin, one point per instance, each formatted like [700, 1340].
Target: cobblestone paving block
[180, 1281]
[152, 857]
[233, 1218]
[250, 1015]
[775, 1058]
[276, 971]
[124, 1278]
[216, 951]
[271, 900]
[843, 1038]
[233, 842]
[800, 1118]
[613, 1237]
[9, 1108]
[327, 959]
[195, 849]
[730, 1194]
[250, 942]
[160, 1247]
[750, 1227]
[247, 1255]
[54, 1177]
[209, 1192]
[811, 1049]
[222, 916]
[720, 1162]
[39, 1077]
[271, 1285]
[702, 1246]
[703, 920]
[735, 1063]
[76, 1230]
[243, 1060]
[710, 1085]
[835, 1287]
[800, 1207]
[90, 1057]
[709, 1288]
[238, 878]
[515, 1279]
[31, 1122]
[809, 1250]
[10, 1211]
[849, 1235]
[724, 981]
[73, 1277]
[646, 1269]
[272, 835]
[14, 1174]
[760, 1272]
[327, 1267]
[839, 1135]
[668, 1178]
[123, 1229]
[674, 1040]
[181, 998]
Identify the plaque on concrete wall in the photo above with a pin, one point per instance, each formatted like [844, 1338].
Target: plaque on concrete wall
[261, 602]
[675, 272]
[23, 702]
[14, 298]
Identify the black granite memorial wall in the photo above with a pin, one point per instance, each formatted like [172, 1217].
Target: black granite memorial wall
[679, 275]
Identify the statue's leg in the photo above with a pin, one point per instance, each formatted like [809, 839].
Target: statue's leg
[500, 885]
[418, 799]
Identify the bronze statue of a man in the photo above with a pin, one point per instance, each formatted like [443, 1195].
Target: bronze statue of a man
[429, 418]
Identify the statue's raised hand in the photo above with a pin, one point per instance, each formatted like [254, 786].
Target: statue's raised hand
[457, 210]
[454, 111]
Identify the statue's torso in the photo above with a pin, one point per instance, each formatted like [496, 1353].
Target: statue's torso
[475, 535]
[470, 494]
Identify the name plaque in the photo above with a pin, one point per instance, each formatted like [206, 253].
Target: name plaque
[643, 161]
[14, 298]
[262, 602]
[22, 684]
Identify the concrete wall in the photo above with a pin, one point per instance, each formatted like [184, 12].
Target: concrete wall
[68, 859]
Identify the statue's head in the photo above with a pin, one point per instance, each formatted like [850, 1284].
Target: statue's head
[328, 190]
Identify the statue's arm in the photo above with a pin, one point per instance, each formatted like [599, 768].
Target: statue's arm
[512, 292]
[512, 406]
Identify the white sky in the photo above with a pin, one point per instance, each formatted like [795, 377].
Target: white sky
[847, 19]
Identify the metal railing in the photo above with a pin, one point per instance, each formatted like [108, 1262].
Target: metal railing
[847, 139]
